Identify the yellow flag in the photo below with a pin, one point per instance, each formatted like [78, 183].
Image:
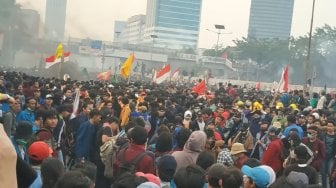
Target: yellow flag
[59, 51]
[126, 67]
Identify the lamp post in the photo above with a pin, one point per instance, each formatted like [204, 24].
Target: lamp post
[307, 63]
[218, 32]
[153, 37]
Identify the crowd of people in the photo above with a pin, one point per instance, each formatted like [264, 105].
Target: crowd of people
[85, 134]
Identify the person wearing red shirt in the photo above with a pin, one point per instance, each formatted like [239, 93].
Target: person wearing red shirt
[272, 154]
[138, 138]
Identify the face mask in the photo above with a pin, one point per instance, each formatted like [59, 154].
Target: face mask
[309, 135]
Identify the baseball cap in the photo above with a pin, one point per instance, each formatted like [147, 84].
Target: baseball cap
[49, 96]
[259, 175]
[187, 114]
[166, 166]
[39, 151]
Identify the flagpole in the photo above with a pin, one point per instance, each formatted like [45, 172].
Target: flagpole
[60, 68]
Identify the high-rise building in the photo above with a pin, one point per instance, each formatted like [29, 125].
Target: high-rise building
[270, 19]
[55, 19]
[135, 28]
[173, 23]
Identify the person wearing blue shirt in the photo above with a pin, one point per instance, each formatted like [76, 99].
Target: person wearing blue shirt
[292, 126]
[85, 141]
[29, 113]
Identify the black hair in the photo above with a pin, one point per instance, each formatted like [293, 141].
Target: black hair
[39, 114]
[164, 142]
[162, 129]
[139, 121]
[301, 153]
[112, 120]
[49, 114]
[291, 119]
[205, 159]
[232, 178]
[190, 176]
[125, 100]
[252, 162]
[24, 130]
[64, 107]
[74, 179]
[128, 180]
[94, 112]
[87, 168]
[51, 170]
[138, 135]
[331, 121]
[182, 137]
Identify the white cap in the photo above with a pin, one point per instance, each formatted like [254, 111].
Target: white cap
[187, 114]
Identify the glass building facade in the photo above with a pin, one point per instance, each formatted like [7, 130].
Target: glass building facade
[175, 23]
[271, 19]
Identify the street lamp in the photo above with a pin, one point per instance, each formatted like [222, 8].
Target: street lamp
[306, 65]
[218, 32]
[153, 37]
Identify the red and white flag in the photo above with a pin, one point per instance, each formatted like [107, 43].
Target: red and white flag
[50, 61]
[258, 86]
[175, 74]
[163, 74]
[283, 84]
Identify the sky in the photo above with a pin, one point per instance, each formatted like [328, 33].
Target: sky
[95, 18]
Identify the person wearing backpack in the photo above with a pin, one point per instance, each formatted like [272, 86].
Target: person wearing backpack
[46, 132]
[134, 158]
[105, 141]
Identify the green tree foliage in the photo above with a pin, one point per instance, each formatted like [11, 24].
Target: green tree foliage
[272, 54]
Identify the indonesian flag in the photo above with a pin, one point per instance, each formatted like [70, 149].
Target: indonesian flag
[200, 88]
[283, 84]
[175, 74]
[258, 86]
[50, 61]
[104, 75]
[163, 74]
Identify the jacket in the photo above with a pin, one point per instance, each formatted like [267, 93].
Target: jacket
[272, 155]
[318, 148]
[192, 148]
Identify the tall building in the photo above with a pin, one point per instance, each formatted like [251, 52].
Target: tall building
[135, 28]
[271, 19]
[55, 19]
[173, 23]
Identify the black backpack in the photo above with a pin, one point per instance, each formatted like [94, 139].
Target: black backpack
[130, 166]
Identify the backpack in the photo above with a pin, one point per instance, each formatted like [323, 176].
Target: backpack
[130, 166]
[108, 155]
[106, 149]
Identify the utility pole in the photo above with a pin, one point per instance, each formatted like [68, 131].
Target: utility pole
[307, 63]
[103, 58]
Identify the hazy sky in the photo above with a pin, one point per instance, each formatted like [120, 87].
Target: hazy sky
[95, 18]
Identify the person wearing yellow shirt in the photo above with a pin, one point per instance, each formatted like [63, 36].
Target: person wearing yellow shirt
[125, 111]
